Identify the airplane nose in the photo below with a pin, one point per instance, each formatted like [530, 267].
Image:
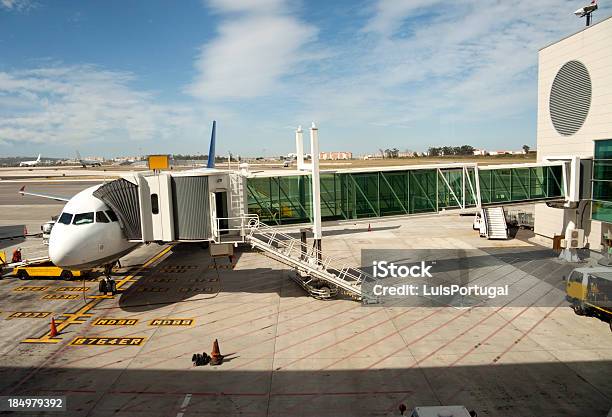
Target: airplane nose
[63, 250]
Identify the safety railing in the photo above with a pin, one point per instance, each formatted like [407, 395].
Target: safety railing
[309, 259]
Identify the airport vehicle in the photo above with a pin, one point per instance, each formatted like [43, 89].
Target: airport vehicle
[589, 290]
[30, 163]
[87, 162]
[88, 233]
[2, 262]
[46, 269]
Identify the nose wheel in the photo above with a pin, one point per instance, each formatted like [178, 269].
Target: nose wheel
[107, 284]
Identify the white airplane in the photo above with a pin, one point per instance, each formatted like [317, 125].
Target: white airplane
[87, 162]
[30, 163]
[88, 234]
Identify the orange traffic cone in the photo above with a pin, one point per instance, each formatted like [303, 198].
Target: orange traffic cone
[369, 227]
[53, 331]
[216, 358]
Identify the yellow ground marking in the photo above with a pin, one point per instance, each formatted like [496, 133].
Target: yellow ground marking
[30, 288]
[75, 318]
[171, 322]
[107, 341]
[114, 322]
[29, 315]
[60, 296]
[72, 289]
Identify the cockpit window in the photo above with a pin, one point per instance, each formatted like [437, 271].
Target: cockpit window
[112, 215]
[65, 218]
[101, 217]
[83, 218]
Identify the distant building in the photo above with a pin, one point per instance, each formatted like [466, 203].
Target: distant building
[480, 152]
[334, 156]
[405, 154]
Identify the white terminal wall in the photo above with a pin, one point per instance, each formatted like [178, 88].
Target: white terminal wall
[593, 47]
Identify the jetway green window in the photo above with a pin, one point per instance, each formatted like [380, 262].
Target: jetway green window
[356, 195]
[602, 181]
[507, 185]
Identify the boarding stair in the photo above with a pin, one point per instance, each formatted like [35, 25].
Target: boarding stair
[311, 266]
[495, 225]
[308, 261]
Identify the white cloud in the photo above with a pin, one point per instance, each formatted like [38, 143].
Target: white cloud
[433, 62]
[252, 52]
[74, 104]
[252, 6]
[17, 5]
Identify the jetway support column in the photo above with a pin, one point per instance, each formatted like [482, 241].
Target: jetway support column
[316, 190]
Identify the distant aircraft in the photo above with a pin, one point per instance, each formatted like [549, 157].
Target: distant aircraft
[88, 233]
[30, 163]
[85, 162]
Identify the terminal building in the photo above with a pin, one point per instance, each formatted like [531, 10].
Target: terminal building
[575, 120]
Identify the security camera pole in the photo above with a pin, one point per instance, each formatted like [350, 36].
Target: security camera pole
[587, 12]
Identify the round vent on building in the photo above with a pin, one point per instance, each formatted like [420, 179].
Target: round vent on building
[570, 98]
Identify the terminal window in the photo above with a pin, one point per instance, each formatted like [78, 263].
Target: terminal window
[602, 181]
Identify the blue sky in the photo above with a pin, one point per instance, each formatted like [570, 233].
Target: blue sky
[136, 77]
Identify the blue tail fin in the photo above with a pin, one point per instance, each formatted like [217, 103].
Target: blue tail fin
[211, 151]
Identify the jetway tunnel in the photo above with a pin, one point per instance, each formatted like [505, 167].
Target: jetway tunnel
[197, 206]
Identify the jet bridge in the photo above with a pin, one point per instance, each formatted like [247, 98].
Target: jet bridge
[220, 206]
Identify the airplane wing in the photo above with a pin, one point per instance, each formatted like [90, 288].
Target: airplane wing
[22, 191]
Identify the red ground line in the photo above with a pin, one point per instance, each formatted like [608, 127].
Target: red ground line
[260, 329]
[517, 341]
[515, 298]
[305, 340]
[335, 328]
[499, 329]
[496, 362]
[497, 310]
[231, 394]
[405, 327]
[434, 330]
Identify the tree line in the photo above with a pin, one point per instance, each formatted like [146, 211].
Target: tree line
[451, 150]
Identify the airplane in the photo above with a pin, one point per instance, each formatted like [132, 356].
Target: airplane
[30, 163]
[88, 233]
[85, 162]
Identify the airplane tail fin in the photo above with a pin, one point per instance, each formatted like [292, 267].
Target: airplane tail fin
[38, 159]
[211, 150]
[78, 155]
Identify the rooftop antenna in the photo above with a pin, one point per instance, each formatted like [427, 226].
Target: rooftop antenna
[587, 11]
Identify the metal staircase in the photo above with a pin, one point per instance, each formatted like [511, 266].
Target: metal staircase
[495, 223]
[308, 261]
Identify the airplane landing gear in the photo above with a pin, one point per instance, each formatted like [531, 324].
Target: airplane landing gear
[107, 284]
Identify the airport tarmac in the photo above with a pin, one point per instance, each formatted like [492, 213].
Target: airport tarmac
[288, 354]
